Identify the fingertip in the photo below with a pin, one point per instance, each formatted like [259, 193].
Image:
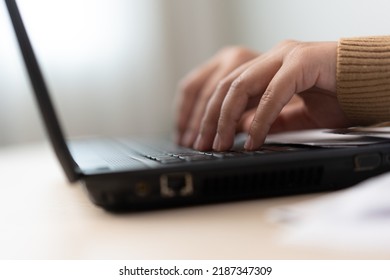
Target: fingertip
[199, 143]
[249, 143]
[222, 143]
[254, 141]
[217, 143]
[187, 139]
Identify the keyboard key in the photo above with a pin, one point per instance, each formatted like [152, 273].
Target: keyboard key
[198, 157]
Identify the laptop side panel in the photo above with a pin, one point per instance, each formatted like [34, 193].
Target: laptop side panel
[238, 179]
[46, 107]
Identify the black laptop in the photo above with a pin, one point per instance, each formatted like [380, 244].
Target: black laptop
[128, 174]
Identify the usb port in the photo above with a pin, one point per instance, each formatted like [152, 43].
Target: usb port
[176, 184]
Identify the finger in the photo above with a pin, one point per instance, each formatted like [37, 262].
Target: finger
[250, 84]
[189, 91]
[289, 80]
[209, 121]
[304, 67]
[199, 107]
[228, 58]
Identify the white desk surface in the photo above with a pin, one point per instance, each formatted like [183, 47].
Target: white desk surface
[42, 216]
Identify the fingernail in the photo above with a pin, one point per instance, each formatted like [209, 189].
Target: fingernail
[249, 143]
[198, 143]
[217, 143]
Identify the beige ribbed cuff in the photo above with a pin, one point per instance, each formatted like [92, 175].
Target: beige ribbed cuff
[363, 79]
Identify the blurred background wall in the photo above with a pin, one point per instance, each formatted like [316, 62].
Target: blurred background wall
[113, 65]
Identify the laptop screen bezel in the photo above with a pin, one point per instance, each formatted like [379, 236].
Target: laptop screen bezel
[46, 107]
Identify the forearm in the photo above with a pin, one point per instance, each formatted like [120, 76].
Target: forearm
[363, 79]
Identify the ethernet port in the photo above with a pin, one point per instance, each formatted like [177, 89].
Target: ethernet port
[176, 184]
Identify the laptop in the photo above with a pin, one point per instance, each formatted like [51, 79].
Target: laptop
[141, 174]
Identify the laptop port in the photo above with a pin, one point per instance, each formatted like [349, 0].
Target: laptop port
[176, 184]
[142, 189]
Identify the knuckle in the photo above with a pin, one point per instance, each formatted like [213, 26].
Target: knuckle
[267, 97]
[238, 84]
[287, 43]
[236, 53]
[224, 84]
[271, 100]
[228, 118]
[255, 125]
[299, 53]
[295, 50]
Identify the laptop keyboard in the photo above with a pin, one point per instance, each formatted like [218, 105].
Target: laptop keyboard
[193, 156]
[121, 153]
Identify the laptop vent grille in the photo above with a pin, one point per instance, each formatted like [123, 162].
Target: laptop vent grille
[262, 183]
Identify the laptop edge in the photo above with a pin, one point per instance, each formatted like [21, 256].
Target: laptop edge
[49, 116]
[203, 182]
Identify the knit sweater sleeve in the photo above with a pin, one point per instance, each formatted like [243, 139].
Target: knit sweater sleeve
[363, 79]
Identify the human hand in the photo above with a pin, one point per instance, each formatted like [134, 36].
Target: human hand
[196, 89]
[253, 97]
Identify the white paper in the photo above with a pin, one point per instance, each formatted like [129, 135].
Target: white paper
[380, 132]
[322, 138]
[355, 219]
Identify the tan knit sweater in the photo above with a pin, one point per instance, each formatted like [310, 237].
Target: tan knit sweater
[363, 79]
